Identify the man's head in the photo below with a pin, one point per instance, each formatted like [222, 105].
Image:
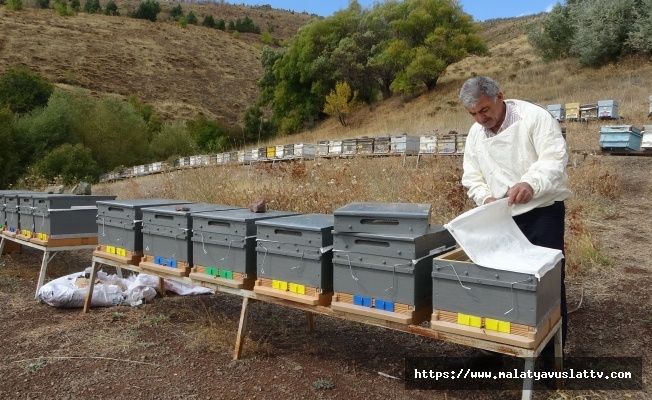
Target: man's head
[484, 101]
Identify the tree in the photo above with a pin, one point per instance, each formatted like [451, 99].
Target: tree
[340, 102]
[207, 135]
[176, 12]
[173, 141]
[429, 36]
[208, 21]
[602, 27]
[551, 36]
[92, 7]
[111, 9]
[75, 5]
[71, 163]
[192, 18]
[639, 39]
[23, 90]
[148, 9]
[8, 157]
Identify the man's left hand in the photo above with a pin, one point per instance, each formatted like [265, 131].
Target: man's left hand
[521, 193]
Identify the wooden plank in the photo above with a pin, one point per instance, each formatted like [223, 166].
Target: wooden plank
[524, 336]
[180, 271]
[132, 258]
[321, 299]
[414, 318]
[81, 241]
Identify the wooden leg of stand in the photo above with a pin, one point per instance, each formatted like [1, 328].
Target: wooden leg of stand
[161, 286]
[41, 276]
[91, 285]
[239, 340]
[309, 316]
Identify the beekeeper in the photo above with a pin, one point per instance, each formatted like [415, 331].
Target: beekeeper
[515, 149]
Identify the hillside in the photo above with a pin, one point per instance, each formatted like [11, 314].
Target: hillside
[182, 347]
[181, 72]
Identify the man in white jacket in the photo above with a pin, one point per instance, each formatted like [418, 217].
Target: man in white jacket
[516, 149]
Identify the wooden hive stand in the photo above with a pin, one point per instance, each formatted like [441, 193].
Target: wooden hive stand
[110, 252]
[182, 269]
[212, 275]
[402, 314]
[282, 290]
[524, 336]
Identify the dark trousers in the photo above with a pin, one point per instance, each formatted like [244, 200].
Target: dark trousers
[545, 227]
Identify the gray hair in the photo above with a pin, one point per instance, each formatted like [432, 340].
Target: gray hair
[476, 88]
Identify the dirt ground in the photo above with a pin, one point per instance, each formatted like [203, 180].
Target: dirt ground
[182, 347]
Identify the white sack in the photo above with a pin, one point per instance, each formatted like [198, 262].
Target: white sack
[183, 289]
[491, 238]
[63, 292]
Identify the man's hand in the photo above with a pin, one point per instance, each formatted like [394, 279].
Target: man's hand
[521, 193]
[489, 200]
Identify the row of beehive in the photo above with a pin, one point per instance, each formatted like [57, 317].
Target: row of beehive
[451, 143]
[625, 138]
[378, 260]
[49, 219]
[603, 109]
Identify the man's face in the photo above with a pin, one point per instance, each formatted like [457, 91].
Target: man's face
[488, 112]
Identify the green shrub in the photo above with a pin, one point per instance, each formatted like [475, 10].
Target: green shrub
[44, 4]
[176, 12]
[15, 5]
[182, 22]
[148, 10]
[173, 140]
[63, 9]
[75, 5]
[71, 163]
[23, 90]
[209, 21]
[192, 18]
[236, 35]
[92, 7]
[111, 9]
[267, 38]
[221, 25]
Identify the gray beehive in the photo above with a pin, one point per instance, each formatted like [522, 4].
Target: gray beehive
[26, 215]
[296, 249]
[393, 269]
[461, 286]
[62, 216]
[608, 109]
[225, 241]
[383, 218]
[119, 222]
[167, 231]
[9, 215]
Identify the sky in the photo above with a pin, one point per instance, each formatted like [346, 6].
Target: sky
[481, 10]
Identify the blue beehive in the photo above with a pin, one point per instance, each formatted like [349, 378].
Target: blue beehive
[558, 111]
[620, 137]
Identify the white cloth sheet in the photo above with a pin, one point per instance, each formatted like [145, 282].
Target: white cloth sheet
[491, 238]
